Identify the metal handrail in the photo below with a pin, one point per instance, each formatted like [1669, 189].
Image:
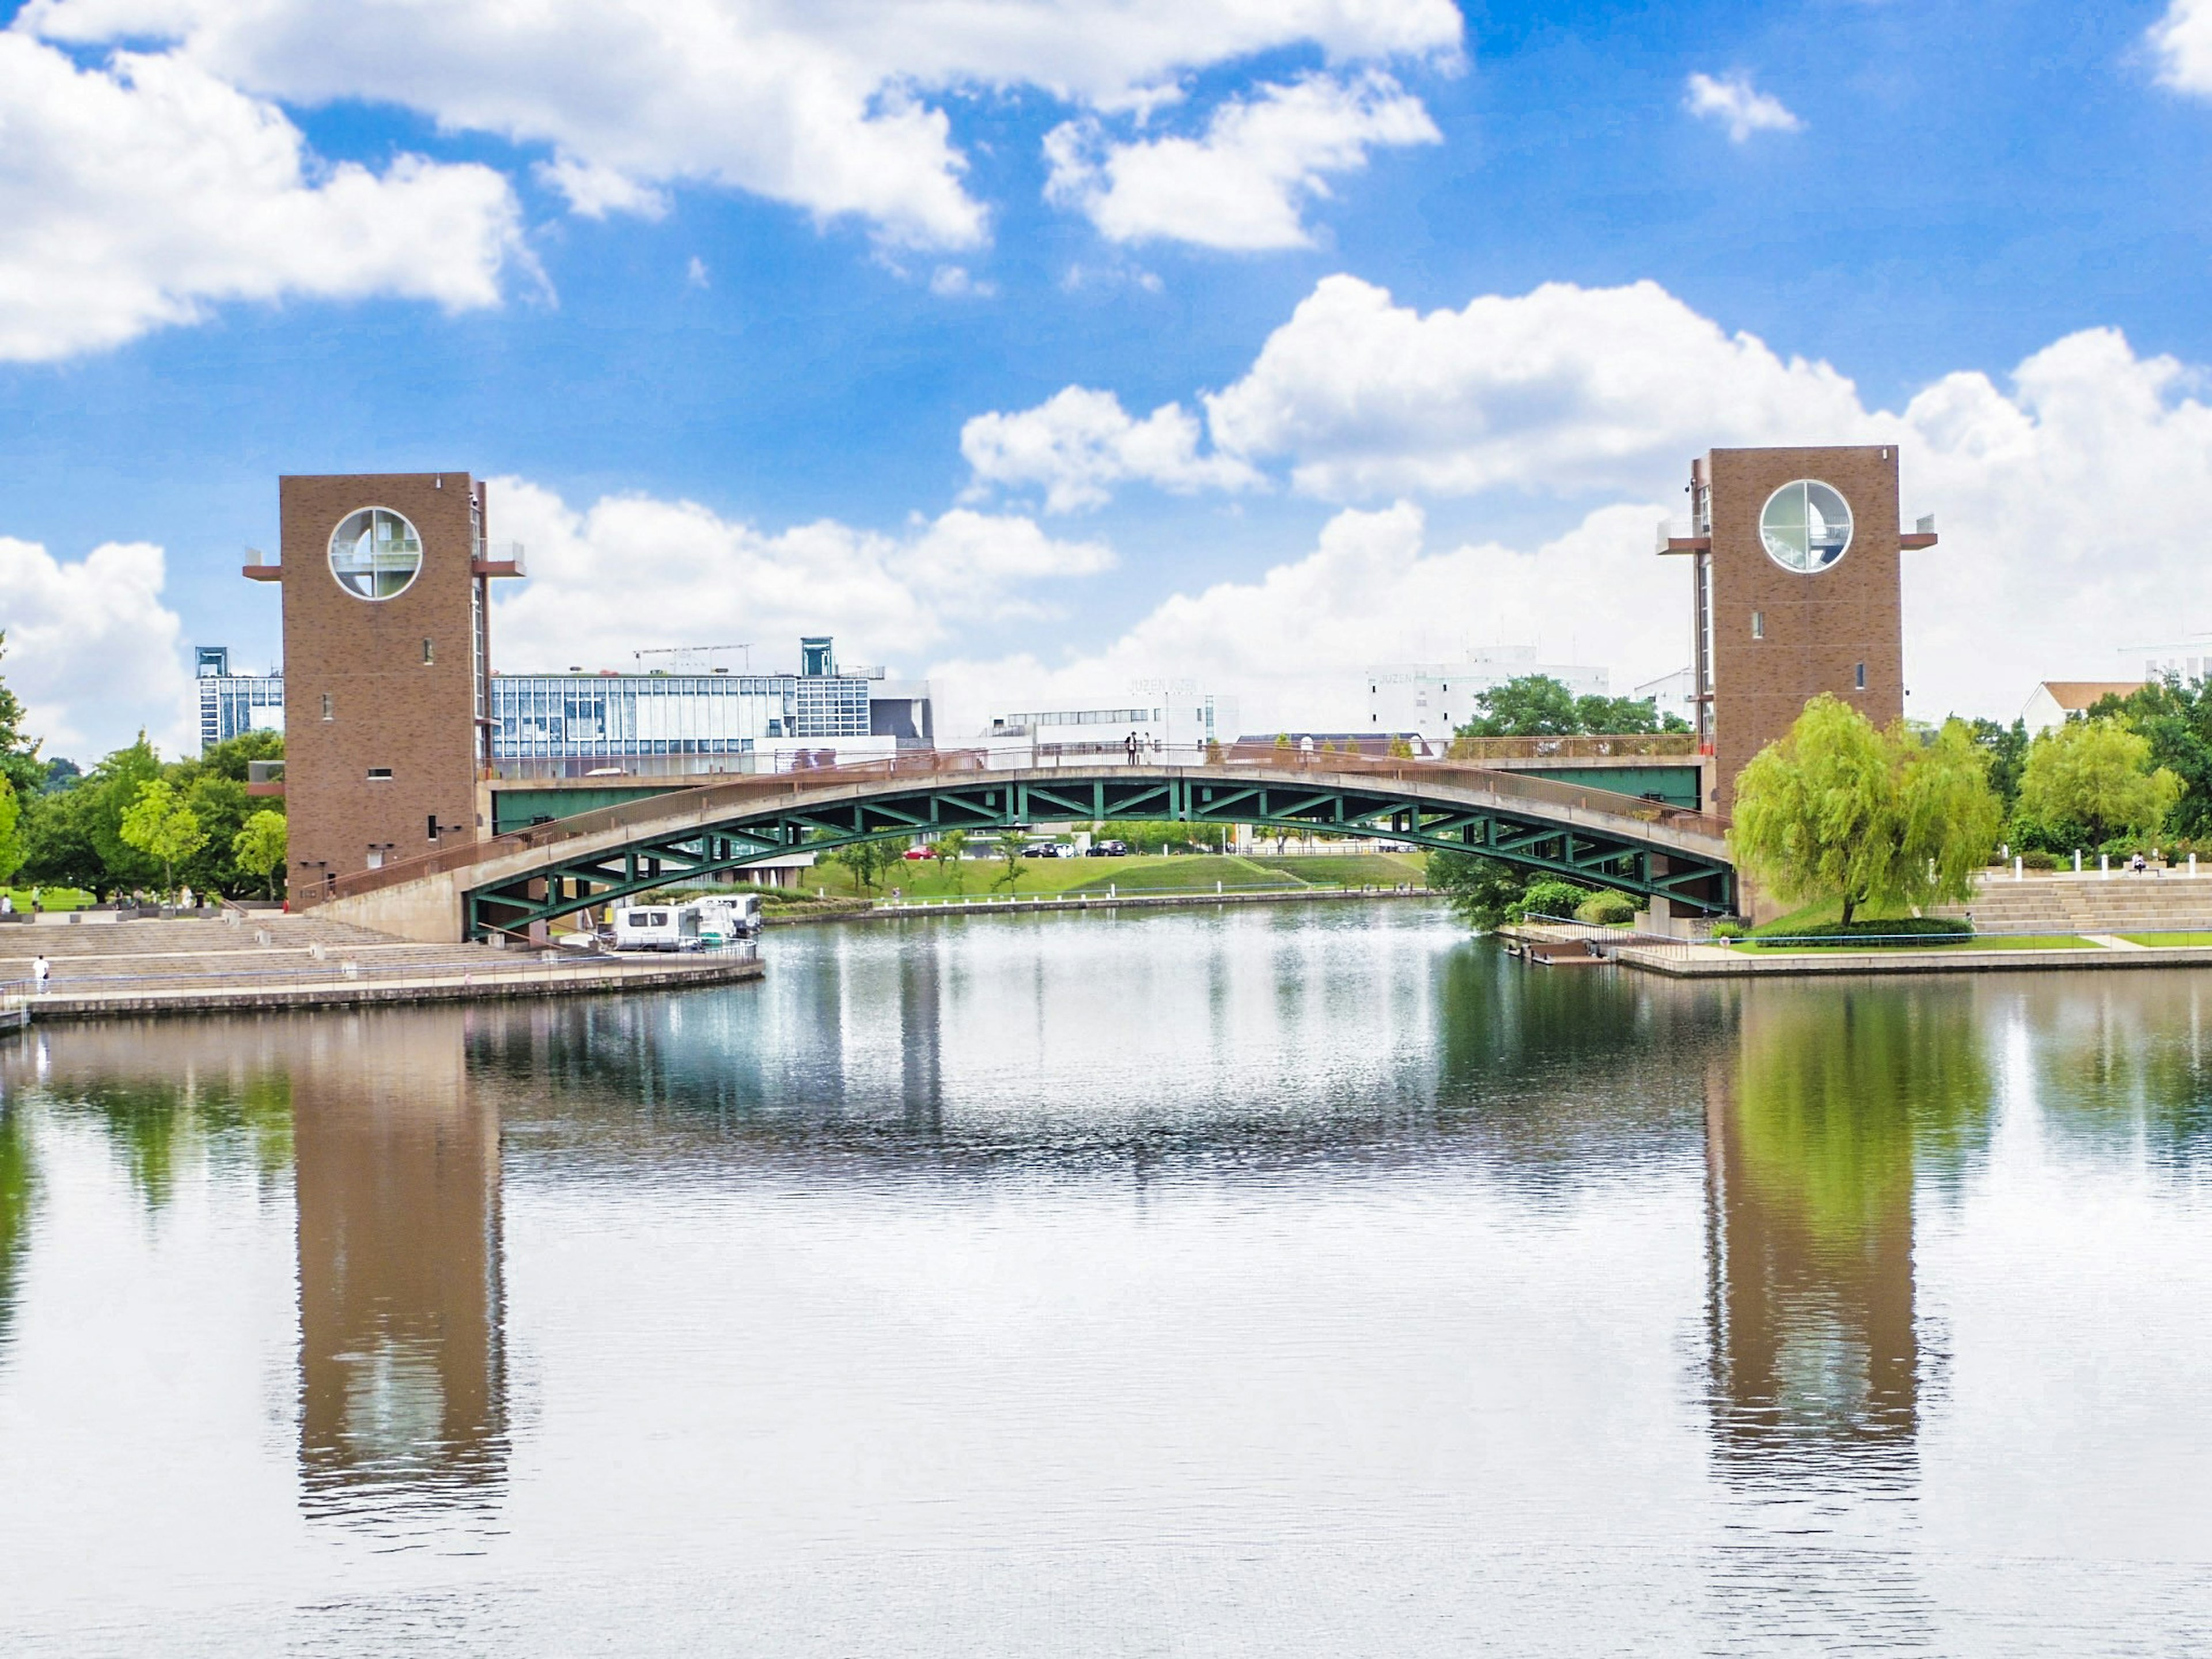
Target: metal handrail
[337, 971]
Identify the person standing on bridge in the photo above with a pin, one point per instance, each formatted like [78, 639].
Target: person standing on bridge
[40, 969]
[1131, 745]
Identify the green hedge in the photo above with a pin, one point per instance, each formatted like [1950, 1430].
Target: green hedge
[1835, 932]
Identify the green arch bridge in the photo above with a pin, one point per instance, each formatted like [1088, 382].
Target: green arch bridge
[506, 883]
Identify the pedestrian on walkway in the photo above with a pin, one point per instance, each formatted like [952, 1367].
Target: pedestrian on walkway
[40, 969]
[1131, 746]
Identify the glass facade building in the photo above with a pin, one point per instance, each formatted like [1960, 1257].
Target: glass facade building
[233, 703]
[545, 716]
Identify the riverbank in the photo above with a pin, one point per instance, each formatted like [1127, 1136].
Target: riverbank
[1553, 944]
[136, 969]
[1044, 904]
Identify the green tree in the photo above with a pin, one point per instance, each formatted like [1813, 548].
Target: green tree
[259, 848]
[1835, 809]
[2099, 775]
[1010, 859]
[2006, 748]
[114, 785]
[1538, 706]
[58, 837]
[947, 849]
[1482, 892]
[14, 845]
[867, 861]
[161, 825]
[2176, 720]
[19, 756]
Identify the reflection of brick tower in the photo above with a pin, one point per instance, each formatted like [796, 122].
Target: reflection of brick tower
[1796, 592]
[386, 668]
[402, 1385]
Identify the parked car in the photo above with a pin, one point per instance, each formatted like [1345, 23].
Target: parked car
[1048, 849]
[913, 853]
[1108, 849]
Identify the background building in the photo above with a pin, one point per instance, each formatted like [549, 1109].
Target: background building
[1432, 699]
[2053, 701]
[1674, 694]
[1180, 715]
[233, 703]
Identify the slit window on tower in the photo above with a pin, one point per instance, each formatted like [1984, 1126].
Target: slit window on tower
[1858, 675]
[330, 707]
[1759, 625]
[426, 654]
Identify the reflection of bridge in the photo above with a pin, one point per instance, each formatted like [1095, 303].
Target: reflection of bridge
[526, 876]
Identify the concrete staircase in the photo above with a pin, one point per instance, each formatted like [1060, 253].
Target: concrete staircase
[2090, 904]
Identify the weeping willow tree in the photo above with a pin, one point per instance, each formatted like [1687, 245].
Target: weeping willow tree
[1835, 809]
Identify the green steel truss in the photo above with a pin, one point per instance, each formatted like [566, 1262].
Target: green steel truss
[1617, 859]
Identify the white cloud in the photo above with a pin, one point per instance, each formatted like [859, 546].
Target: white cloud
[695, 274]
[93, 652]
[817, 103]
[1736, 105]
[955, 282]
[1079, 443]
[631, 572]
[137, 195]
[1243, 186]
[595, 191]
[1294, 645]
[2071, 499]
[1565, 389]
[2183, 41]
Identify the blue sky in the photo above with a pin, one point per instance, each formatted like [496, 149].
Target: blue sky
[725, 391]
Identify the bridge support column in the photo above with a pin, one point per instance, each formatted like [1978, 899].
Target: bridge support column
[1658, 916]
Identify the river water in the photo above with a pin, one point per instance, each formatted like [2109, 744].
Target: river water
[1285, 1281]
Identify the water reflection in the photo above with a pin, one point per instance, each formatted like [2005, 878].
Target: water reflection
[16, 1186]
[1837, 1103]
[402, 1387]
[2126, 1063]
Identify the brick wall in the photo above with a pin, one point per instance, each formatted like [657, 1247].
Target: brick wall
[389, 708]
[1818, 626]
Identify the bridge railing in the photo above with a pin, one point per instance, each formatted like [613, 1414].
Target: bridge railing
[707, 803]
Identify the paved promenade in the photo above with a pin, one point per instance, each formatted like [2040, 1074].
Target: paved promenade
[265, 961]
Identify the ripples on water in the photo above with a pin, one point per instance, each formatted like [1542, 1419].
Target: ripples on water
[1299, 1281]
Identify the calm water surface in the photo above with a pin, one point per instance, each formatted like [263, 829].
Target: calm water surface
[1291, 1282]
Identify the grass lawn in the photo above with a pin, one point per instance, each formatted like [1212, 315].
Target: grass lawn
[1189, 873]
[53, 898]
[1346, 869]
[2156, 940]
[1987, 942]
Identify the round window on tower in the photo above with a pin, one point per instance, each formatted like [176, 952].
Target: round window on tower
[375, 553]
[1805, 526]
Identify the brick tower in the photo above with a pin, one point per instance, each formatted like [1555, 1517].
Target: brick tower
[1796, 592]
[386, 668]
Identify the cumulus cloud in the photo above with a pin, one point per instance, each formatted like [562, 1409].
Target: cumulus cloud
[1565, 389]
[821, 106]
[1078, 444]
[632, 572]
[91, 650]
[1736, 105]
[136, 195]
[2071, 493]
[2183, 41]
[1293, 646]
[1244, 184]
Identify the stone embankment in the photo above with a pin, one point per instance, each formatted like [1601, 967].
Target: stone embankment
[266, 961]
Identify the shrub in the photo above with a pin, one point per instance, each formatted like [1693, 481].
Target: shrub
[1727, 930]
[1549, 898]
[1608, 907]
[2038, 861]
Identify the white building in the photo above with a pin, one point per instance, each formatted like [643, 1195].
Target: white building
[2053, 701]
[1672, 694]
[2186, 660]
[1178, 714]
[1433, 699]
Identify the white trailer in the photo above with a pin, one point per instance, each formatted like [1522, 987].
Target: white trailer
[656, 927]
[725, 918]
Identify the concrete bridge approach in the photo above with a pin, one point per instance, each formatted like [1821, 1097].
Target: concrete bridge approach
[512, 883]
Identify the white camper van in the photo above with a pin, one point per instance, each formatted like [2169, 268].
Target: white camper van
[725, 920]
[656, 927]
